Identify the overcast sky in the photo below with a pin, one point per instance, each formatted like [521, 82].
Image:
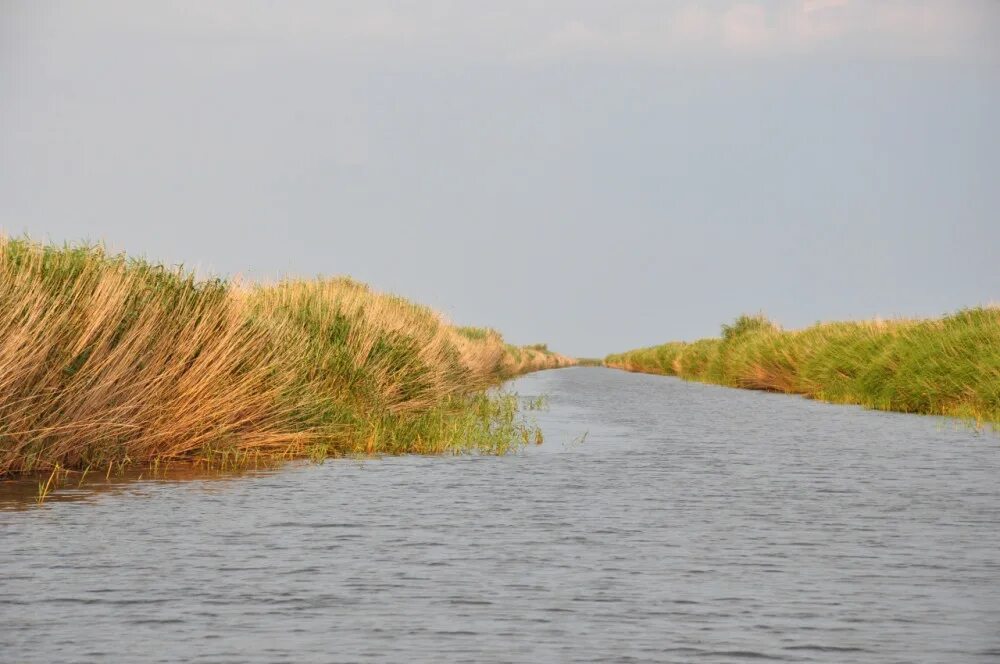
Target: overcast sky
[596, 175]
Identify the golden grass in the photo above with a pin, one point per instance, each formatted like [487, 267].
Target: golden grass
[945, 366]
[104, 360]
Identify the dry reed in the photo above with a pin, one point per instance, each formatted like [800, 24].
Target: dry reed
[945, 366]
[108, 360]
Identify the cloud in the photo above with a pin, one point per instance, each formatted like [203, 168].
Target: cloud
[893, 28]
[746, 26]
[525, 30]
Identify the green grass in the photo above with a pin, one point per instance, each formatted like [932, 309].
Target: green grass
[107, 361]
[476, 333]
[946, 366]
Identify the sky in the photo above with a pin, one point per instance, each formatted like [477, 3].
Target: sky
[597, 175]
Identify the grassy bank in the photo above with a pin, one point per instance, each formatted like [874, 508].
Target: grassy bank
[946, 366]
[107, 360]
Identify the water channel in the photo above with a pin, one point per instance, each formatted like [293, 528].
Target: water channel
[660, 521]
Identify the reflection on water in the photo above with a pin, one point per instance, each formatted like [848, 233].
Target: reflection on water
[43, 488]
[660, 521]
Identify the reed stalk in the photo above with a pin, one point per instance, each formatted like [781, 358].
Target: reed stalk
[944, 366]
[107, 361]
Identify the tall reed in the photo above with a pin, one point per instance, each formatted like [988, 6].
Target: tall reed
[105, 359]
[945, 366]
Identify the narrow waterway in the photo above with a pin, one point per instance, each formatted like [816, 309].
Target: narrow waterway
[660, 521]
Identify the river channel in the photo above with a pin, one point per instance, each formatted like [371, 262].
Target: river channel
[660, 521]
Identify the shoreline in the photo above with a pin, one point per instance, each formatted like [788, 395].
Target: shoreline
[107, 359]
[948, 366]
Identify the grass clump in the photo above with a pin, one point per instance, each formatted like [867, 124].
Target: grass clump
[523, 359]
[107, 360]
[945, 366]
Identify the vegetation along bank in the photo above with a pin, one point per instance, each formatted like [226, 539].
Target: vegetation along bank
[107, 360]
[945, 366]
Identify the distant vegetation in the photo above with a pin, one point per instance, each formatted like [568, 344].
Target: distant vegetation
[107, 360]
[946, 366]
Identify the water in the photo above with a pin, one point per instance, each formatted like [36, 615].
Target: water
[691, 523]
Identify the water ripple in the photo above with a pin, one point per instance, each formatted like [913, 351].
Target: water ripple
[692, 523]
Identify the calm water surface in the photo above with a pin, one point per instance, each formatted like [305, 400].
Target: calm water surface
[691, 523]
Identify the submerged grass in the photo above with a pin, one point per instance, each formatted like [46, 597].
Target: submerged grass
[945, 366]
[107, 361]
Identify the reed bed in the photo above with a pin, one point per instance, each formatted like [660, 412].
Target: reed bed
[107, 361]
[945, 366]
